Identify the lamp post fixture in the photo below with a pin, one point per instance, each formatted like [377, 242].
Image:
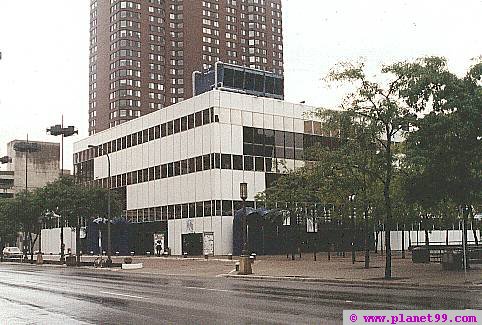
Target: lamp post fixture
[351, 198]
[243, 193]
[5, 160]
[109, 243]
[244, 262]
[57, 130]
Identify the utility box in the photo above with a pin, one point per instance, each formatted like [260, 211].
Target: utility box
[420, 255]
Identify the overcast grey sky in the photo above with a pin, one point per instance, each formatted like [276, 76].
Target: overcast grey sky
[44, 68]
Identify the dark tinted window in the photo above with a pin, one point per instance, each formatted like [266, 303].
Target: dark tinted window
[190, 121]
[228, 77]
[238, 79]
[259, 136]
[269, 85]
[177, 125]
[184, 169]
[206, 119]
[177, 168]
[289, 139]
[170, 169]
[134, 139]
[191, 165]
[259, 83]
[184, 123]
[227, 208]
[207, 162]
[259, 164]
[217, 160]
[170, 128]
[225, 161]
[151, 134]
[163, 129]
[278, 86]
[199, 119]
[157, 172]
[289, 153]
[237, 162]
[269, 137]
[129, 141]
[248, 163]
[268, 164]
[279, 152]
[199, 209]
[151, 174]
[145, 135]
[258, 150]
[269, 151]
[249, 81]
[207, 208]
[298, 140]
[248, 134]
[248, 149]
[199, 163]
[192, 210]
[279, 138]
[139, 137]
[157, 132]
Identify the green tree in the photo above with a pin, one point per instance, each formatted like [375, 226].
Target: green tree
[377, 105]
[24, 213]
[444, 152]
[8, 225]
[74, 202]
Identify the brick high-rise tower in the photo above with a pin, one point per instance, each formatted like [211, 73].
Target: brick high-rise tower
[143, 52]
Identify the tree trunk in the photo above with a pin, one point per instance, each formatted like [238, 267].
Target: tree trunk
[376, 240]
[464, 234]
[367, 239]
[388, 206]
[474, 229]
[403, 241]
[62, 245]
[447, 237]
[31, 245]
[77, 243]
[427, 238]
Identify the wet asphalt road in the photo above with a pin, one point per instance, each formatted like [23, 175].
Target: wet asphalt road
[57, 295]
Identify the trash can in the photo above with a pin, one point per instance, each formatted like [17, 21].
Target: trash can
[452, 260]
[40, 258]
[420, 255]
[71, 260]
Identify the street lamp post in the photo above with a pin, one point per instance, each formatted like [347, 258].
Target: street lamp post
[57, 130]
[109, 243]
[244, 262]
[351, 198]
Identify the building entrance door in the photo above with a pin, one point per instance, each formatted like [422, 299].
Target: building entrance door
[192, 244]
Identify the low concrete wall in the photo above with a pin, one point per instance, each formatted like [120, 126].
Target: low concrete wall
[51, 240]
[418, 238]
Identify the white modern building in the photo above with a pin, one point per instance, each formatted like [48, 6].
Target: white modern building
[180, 168]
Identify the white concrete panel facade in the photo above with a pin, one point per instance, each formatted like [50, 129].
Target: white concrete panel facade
[186, 167]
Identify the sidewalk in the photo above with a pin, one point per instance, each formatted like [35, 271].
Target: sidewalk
[338, 269]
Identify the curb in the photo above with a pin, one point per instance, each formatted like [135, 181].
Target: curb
[357, 283]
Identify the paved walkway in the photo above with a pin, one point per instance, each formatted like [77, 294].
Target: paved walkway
[338, 269]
